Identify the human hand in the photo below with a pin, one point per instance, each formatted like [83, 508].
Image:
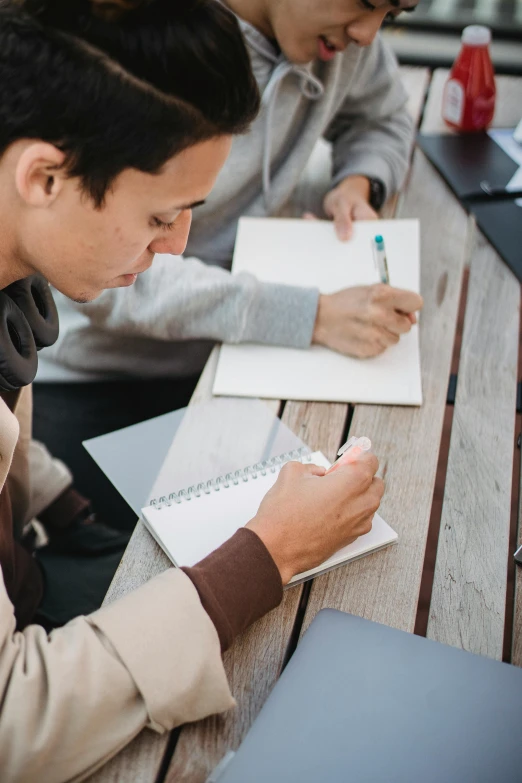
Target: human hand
[365, 320]
[347, 202]
[307, 515]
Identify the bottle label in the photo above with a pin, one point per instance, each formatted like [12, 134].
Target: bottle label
[453, 107]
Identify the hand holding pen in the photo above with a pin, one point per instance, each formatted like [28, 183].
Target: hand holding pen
[382, 265]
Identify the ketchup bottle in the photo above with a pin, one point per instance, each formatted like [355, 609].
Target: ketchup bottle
[469, 95]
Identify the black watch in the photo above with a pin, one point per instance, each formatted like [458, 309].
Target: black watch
[376, 193]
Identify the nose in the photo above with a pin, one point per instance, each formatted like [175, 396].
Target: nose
[175, 240]
[364, 29]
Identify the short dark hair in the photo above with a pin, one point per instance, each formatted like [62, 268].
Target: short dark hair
[121, 91]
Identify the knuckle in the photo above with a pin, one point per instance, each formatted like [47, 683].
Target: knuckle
[405, 324]
[378, 293]
[368, 524]
[369, 459]
[374, 461]
[375, 503]
[379, 486]
[381, 315]
[365, 470]
[289, 469]
[376, 348]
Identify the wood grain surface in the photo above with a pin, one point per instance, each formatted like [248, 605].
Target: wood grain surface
[469, 591]
[385, 586]
[516, 651]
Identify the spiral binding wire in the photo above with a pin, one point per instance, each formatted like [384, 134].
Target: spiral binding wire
[228, 480]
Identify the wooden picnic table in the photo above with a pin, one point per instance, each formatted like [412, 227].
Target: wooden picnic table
[477, 525]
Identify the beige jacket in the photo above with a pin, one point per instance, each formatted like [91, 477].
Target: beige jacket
[71, 700]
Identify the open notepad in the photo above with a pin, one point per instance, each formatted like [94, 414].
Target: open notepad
[191, 523]
[307, 253]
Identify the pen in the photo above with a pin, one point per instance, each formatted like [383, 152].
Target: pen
[492, 194]
[382, 263]
[352, 449]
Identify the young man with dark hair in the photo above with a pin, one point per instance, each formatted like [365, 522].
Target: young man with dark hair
[96, 163]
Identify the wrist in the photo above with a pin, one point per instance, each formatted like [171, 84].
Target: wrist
[268, 536]
[237, 584]
[319, 333]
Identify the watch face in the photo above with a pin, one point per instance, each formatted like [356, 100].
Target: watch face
[376, 193]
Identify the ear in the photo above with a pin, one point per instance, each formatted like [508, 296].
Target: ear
[39, 174]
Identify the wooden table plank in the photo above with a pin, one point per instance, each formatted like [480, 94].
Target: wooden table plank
[385, 586]
[507, 114]
[516, 651]
[469, 590]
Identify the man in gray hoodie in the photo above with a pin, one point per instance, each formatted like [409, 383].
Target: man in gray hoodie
[323, 72]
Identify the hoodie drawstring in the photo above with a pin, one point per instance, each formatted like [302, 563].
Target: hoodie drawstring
[311, 87]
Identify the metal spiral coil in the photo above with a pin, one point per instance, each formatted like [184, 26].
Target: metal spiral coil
[228, 480]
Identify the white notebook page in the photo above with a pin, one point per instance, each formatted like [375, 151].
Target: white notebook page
[191, 530]
[307, 253]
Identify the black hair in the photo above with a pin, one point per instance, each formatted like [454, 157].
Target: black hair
[121, 90]
[192, 49]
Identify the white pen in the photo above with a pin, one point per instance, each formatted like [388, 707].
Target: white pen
[352, 449]
[382, 263]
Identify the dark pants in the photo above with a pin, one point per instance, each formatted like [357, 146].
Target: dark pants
[65, 414]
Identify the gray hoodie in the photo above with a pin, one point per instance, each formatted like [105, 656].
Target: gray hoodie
[167, 323]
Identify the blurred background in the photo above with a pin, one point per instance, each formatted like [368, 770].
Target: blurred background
[431, 35]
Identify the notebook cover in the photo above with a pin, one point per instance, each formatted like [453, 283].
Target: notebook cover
[466, 160]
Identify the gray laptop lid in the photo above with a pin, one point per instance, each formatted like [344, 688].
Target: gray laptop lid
[364, 703]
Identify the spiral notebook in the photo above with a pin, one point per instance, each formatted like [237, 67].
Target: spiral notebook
[191, 523]
[307, 253]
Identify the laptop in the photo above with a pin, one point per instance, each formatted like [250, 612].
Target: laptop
[363, 703]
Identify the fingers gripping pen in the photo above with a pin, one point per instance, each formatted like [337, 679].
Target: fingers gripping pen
[352, 449]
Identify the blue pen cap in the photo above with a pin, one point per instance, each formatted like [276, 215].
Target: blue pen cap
[379, 241]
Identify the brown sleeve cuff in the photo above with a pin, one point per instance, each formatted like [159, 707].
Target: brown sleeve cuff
[237, 584]
[64, 509]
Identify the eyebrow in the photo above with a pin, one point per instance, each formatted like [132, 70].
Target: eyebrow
[397, 4]
[193, 205]
[183, 207]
